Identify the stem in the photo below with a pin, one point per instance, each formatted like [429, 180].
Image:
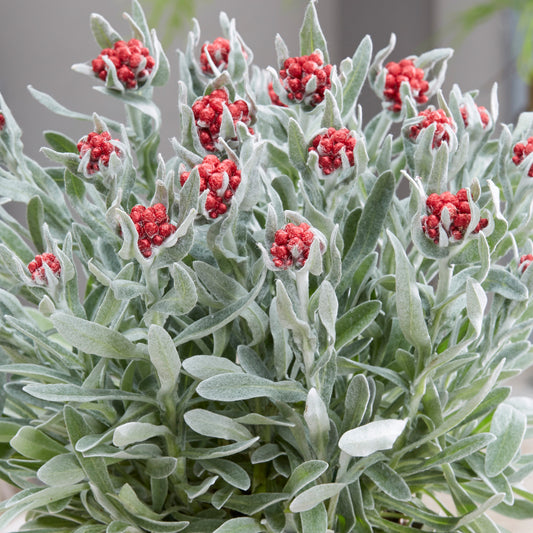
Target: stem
[344, 461]
[443, 286]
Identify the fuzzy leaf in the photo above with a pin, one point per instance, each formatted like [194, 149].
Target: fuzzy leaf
[215, 425]
[164, 357]
[374, 436]
[313, 496]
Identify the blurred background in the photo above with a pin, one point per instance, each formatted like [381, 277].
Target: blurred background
[39, 41]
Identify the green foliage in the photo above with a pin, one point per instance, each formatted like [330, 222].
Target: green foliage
[205, 389]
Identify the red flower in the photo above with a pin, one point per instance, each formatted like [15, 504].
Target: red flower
[132, 61]
[298, 71]
[521, 151]
[329, 145]
[483, 115]
[438, 117]
[208, 116]
[274, 98]
[100, 147]
[36, 267]
[218, 50]
[2, 121]
[525, 261]
[212, 178]
[152, 225]
[404, 71]
[459, 210]
[291, 245]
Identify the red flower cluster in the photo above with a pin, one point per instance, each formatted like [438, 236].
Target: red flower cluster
[438, 117]
[2, 121]
[274, 98]
[152, 225]
[291, 245]
[132, 61]
[459, 210]
[329, 145]
[483, 114]
[404, 71]
[36, 267]
[218, 50]
[208, 116]
[212, 171]
[100, 147]
[521, 151]
[296, 73]
[525, 261]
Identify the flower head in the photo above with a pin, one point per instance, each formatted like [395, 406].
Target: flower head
[329, 146]
[398, 73]
[459, 215]
[36, 267]
[443, 126]
[525, 261]
[208, 116]
[297, 73]
[221, 179]
[2, 121]
[152, 225]
[100, 148]
[291, 245]
[483, 115]
[218, 51]
[131, 59]
[521, 151]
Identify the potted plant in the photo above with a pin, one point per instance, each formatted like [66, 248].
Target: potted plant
[262, 333]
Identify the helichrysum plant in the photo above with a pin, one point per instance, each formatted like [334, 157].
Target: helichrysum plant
[303, 321]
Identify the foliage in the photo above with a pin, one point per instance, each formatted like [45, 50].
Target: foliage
[203, 383]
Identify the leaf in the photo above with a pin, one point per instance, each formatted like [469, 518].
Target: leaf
[389, 481]
[229, 471]
[311, 36]
[95, 339]
[476, 300]
[102, 31]
[369, 227]
[304, 474]
[317, 419]
[205, 366]
[357, 76]
[328, 307]
[374, 436]
[234, 387]
[509, 426]
[355, 321]
[240, 525]
[133, 432]
[313, 496]
[408, 303]
[35, 218]
[60, 143]
[297, 146]
[356, 401]
[214, 425]
[164, 357]
[315, 520]
[34, 444]
[502, 282]
[61, 471]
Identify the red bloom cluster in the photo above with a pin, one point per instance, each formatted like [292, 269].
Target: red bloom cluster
[521, 151]
[483, 114]
[212, 171]
[525, 261]
[36, 267]
[404, 71]
[329, 145]
[274, 98]
[291, 245]
[459, 210]
[218, 50]
[100, 147]
[2, 121]
[438, 117]
[296, 73]
[152, 225]
[132, 61]
[208, 116]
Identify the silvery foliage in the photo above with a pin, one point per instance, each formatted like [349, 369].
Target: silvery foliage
[199, 390]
